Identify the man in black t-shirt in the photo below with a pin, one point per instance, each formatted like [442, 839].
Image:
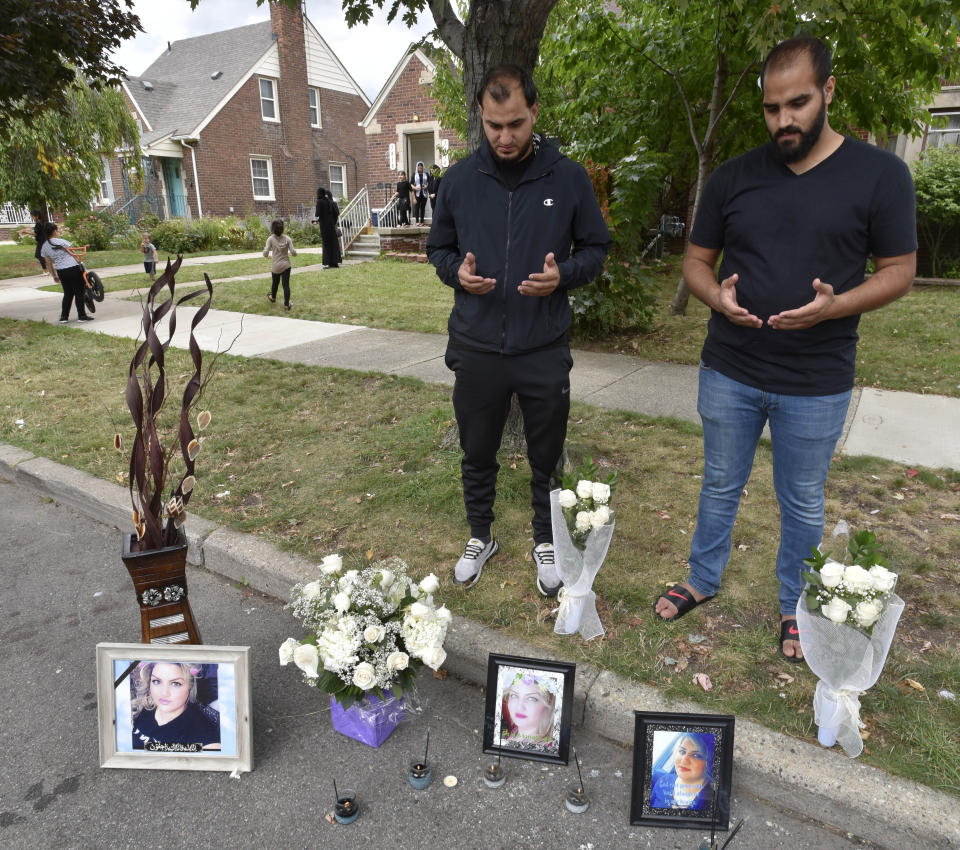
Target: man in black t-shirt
[795, 221]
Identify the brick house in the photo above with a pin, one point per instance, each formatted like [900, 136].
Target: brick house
[247, 120]
[402, 128]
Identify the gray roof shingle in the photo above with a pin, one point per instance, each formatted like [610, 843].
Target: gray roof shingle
[183, 93]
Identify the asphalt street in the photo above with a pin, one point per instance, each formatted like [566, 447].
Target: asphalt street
[63, 589]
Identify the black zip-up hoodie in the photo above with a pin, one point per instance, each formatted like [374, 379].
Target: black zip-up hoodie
[553, 208]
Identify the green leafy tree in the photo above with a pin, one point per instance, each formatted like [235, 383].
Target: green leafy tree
[56, 158]
[936, 176]
[47, 46]
[685, 80]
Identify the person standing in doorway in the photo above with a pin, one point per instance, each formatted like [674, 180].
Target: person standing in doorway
[794, 221]
[403, 200]
[419, 185]
[433, 186]
[517, 226]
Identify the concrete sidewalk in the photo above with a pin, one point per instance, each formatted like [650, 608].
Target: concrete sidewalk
[909, 428]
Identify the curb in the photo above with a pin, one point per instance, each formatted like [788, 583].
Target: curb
[820, 784]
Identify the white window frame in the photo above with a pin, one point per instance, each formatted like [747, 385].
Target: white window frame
[343, 171]
[106, 185]
[937, 136]
[254, 177]
[315, 117]
[273, 100]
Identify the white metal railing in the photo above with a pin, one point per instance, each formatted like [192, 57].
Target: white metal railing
[11, 214]
[389, 216]
[354, 219]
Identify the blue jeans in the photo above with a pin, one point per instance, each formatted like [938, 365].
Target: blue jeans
[804, 431]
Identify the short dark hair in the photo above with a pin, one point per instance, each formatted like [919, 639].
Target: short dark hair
[494, 83]
[789, 51]
[277, 227]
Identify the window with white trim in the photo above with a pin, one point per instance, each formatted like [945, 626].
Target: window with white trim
[315, 108]
[268, 100]
[940, 137]
[106, 184]
[338, 180]
[261, 172]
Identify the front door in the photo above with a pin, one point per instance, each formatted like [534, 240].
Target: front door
[175, 197]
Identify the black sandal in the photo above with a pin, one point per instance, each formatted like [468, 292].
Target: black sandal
[789, 631]
[682, 598]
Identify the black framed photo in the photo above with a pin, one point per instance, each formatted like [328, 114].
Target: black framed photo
[682, 769]
[529, 708]
[175, 707]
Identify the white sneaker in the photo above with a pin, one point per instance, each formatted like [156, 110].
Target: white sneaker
[475, 554]
[548, 579]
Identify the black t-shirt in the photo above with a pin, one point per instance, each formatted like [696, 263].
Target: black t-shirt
[192, 728]
[512, 172]
[778, 231]
[403, 190]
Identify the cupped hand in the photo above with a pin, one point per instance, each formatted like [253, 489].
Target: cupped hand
[469, 279]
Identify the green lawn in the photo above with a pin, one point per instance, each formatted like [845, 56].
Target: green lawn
[329, 460]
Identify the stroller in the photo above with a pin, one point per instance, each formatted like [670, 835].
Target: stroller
[92, 285]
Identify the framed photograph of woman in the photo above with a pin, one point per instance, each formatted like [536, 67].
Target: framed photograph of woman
[176, 707]
[682, 768]
[529, 708]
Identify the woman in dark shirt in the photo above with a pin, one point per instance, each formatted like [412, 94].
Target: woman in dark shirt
[403, 205]
[166, 714]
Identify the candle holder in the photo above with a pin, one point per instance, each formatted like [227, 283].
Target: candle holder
[347, 809]
[576, 799]
[420, 774]
[493, 776]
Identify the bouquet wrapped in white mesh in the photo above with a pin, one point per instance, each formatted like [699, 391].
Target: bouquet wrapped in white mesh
[583, 524]
[847, 618]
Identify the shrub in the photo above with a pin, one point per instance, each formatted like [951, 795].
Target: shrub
[936, 177]
[147, 222]
[250, 232]
[88, 228]
[303, 233]
[173, 236]
[622, 298]
[211, 231]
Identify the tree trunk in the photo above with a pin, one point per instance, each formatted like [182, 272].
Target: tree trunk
[705, 150]
[495, 32]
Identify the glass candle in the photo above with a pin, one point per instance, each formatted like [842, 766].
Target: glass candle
[420, 774]
[347, 809]
[576, 800]
[493, 776]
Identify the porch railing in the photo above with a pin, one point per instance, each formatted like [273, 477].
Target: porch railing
[12, 214]
[354, 219]
[389, 215]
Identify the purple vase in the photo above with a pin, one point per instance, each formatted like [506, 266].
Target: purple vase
[370, 720]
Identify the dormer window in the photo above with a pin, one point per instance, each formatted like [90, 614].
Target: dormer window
[268, 100]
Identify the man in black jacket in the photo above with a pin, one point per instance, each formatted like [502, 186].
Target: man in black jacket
[516, 226]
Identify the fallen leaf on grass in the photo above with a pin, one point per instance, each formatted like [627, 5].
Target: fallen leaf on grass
[864, 734]
[682, 664]
[915, 685]
[369, 554]
[662, 514]
[285, 484]
[703, 680]
[911, 473]
[926, 645]
[950, 516]
[507, 583]
[786, 678]
[898, 496]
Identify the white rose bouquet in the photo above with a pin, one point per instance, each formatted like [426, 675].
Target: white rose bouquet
[854, 594]
[583, 524]
[369, 630]
[847, 618]
[586, 503]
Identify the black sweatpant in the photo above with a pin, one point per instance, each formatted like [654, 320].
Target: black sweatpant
[481, 401]
[278, 278]
[71, 281]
